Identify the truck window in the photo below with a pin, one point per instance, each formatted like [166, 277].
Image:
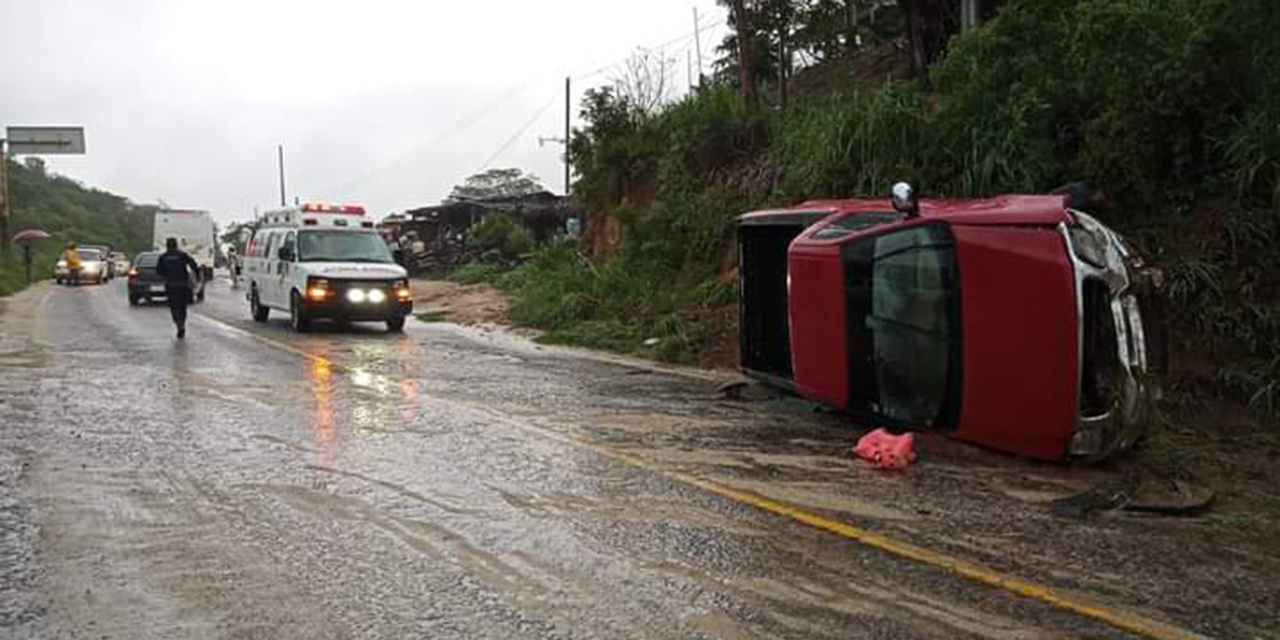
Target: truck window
[269, 250]
[290, 243]
[343, 246]
[904, 325]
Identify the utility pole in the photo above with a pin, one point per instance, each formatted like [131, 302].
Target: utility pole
[284, 202]
[697, 43]
[688, 73]
[567, 132]
[4, 197]
[970, 14]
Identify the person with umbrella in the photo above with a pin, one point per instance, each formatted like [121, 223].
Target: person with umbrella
[25, 238]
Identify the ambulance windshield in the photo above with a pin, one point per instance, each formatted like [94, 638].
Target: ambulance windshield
[342, 246]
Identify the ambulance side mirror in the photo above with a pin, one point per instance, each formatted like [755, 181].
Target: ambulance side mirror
[285, 253]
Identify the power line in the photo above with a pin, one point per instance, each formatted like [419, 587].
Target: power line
[688, 36]
[518, 133]
[467, 121]
[457, 127]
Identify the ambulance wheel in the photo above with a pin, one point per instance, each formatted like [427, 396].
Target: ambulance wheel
[297, 314]
[259, 311]
[395, 324]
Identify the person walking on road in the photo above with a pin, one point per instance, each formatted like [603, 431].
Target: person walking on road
[72, 257]
[233, 265]
[178, 270]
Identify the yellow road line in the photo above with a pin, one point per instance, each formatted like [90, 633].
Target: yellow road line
[1130, 622]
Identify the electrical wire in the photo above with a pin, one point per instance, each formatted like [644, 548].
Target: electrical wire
[457, 127]
[518, 133]
[673, 41]
[470, 119]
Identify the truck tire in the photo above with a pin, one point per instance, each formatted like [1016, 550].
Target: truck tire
[298, 318]
[395, 324]
[256, 308]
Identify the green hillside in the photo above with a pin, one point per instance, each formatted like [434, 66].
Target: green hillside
[69, 211]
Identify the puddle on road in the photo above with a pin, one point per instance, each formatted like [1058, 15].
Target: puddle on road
[506, 574]
[443, 505]
[865, 599]
[818, 495]
[639, 509]
[719, 625]
[283, 442]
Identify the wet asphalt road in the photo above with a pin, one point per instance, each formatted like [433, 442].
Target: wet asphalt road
[446, 483]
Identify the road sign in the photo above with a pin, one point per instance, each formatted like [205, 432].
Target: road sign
[45, 140]
[32, 141]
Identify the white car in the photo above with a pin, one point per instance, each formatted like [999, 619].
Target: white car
[119, 264]
[93, 268]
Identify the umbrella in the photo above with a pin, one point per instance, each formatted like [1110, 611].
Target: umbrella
[25, 238]
[29, 235]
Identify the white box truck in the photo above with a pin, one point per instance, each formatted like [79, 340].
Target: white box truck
[194, 231]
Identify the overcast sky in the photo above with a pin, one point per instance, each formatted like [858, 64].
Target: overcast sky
[384, 103]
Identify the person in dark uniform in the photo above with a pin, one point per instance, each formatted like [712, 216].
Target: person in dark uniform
[178, 269]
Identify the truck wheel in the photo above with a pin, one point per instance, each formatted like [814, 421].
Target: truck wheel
[395, 324]
[256, 307]
[297, 314]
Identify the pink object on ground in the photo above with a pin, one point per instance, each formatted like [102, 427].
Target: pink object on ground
[887, 450]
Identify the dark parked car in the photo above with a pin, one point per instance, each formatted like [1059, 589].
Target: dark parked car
[147, 285]
[144, 283]
[1014, 322]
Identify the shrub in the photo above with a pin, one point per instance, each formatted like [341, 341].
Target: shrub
[504, 234]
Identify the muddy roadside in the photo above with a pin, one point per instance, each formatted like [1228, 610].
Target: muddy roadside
[19, 532]
[464, 304]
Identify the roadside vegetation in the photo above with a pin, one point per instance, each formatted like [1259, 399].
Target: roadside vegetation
[1171, 107]
[68, 211]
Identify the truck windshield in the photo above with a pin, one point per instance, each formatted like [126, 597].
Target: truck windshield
[904, 326]
[342, 246]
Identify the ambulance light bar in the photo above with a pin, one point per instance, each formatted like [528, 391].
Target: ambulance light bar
[353, 209]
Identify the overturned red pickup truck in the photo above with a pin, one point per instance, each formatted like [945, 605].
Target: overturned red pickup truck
[1018, 323]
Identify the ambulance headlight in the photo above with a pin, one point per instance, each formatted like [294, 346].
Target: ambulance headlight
[356, 295]
[376, 296]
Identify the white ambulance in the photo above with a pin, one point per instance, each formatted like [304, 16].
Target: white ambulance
[324, 261]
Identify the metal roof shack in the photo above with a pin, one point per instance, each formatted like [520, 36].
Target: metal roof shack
[543, 213]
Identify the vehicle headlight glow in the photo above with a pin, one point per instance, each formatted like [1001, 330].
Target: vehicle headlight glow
[376, 296]
[356, 295]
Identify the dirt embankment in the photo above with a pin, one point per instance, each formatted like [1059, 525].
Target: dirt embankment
[444, 301]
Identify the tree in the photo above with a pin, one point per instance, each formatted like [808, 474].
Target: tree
[742, 22]
[35, 165]
[645, 81]
[927, 32]
[496, 183]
